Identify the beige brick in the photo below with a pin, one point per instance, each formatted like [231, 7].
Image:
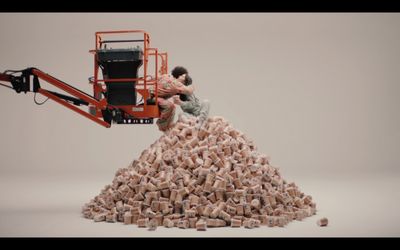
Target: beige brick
[323, 222]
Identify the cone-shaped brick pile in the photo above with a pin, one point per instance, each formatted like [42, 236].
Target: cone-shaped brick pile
[199, 178]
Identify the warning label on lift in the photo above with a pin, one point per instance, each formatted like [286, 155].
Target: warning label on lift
[136, 121]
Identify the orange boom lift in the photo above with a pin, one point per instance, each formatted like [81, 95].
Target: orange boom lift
[124, 94]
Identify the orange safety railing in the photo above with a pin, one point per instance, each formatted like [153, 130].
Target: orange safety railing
[143, 84]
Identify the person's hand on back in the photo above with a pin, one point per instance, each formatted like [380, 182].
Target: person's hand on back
[176, 99]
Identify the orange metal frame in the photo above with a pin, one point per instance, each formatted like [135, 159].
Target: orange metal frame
[96, 102]
[142, 83]
[71, 90]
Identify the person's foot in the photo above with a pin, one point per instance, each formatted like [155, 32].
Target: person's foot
[171, 126]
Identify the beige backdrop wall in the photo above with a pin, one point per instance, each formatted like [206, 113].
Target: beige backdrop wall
[319, 93]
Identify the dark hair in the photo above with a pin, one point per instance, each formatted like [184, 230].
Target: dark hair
[178, 71]
[188, 80]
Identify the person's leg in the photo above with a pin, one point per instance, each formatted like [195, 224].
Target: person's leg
[167, 110]
[204, 111]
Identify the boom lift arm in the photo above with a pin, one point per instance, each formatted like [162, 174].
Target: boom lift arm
[115, 96]
[24, 83]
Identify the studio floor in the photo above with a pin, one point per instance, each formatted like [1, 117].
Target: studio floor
[49, 206]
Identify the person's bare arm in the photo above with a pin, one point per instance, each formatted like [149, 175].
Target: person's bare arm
[176, 99]
[180, 88]
[187, 90]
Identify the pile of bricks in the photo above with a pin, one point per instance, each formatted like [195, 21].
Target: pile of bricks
[200, 178]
